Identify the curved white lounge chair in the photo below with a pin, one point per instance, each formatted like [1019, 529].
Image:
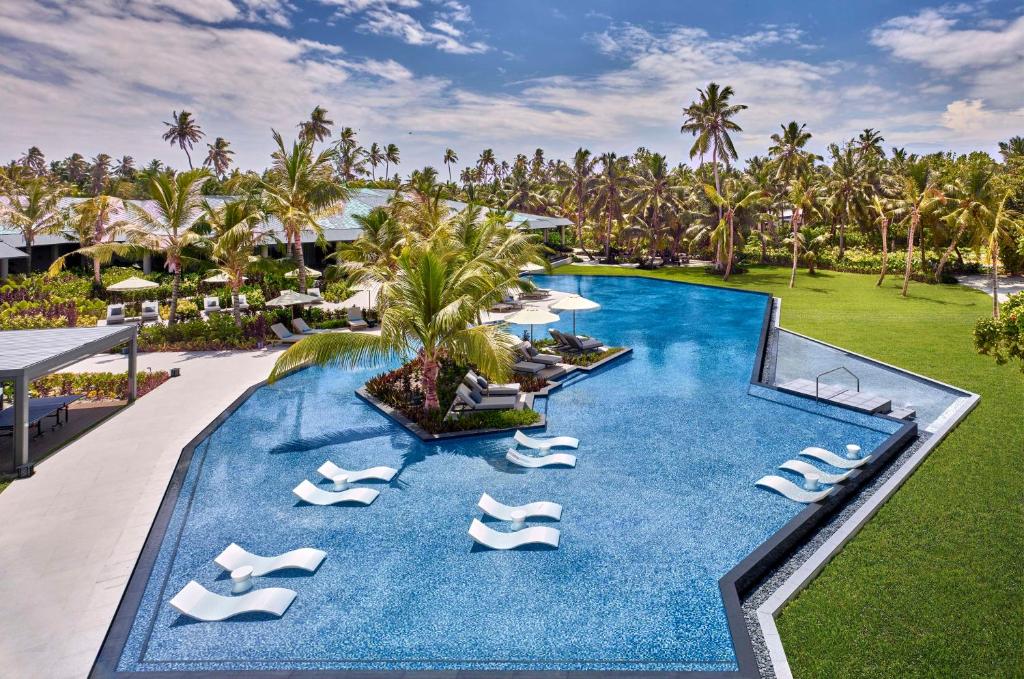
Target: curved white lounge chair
[491, 507]
[515, 457]
[197, 602]
[329, 470]
[233, 556]
[828, 457]
[488, 537]
[543, 444]
[308, 492]
[803, 469]
[788, 489]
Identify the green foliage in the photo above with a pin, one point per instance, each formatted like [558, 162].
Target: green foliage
[29, 302]
[217, 333]
[187, 310]
[97, 385]
[338, 291]
[1003, 337]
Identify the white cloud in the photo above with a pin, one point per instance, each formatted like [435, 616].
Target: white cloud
[392, 18]
[969, 117]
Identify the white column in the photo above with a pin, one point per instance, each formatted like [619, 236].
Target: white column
[22, 463]
[3, 269]
[147, 263]
[133, 350]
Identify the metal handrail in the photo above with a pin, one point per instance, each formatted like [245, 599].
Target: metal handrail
[817, 380]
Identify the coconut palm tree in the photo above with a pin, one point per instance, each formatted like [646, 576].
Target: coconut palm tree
[96, 221]
[429, 310]
[486, 160]
[318, 127]
[219, 156]
[299, 190]
[450, 158]
[391, 156]
[880, 210]
[374, 157]
[125, 168]
[537, 165]
[183, 132]
[916, 195]
[521, 193]
[803, 196]
[76, 168]
[238, 229]
[577, 180]
[653, 195]
[34, 161]
[1004, 222]
[374, 254]
[1014, 148]
[99, 172]
[971, 198]
[847, 185]
[736, 195]
[608, 192]
[869, 143]
[32, 208]
[787, 150]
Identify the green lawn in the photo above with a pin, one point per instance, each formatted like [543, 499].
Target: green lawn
[933, 586]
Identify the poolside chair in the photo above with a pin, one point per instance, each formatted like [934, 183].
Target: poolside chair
[243, 303]
[488, 537]
[790, 490]
[283, 334]
[544, 444]
[804, 469]
[115, 314]
[150, 312]
[580, 344]
[211, 305]
[477, 383]
[493, 508]
[528, 367]
[307, 492]
[195, 601]
[329, 470]
[315, 292]
[828, 457]
[530, 462]
[467, 399]
[535, 294]
[355, 319]
[305, 559]
[531, 355]
[301, 328]
[560, 344]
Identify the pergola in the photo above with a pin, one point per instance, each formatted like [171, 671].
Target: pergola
[8, 252]
[27, 355]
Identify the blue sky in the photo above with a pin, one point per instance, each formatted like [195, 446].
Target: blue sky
[100, 75]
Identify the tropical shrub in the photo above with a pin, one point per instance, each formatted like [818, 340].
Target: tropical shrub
[28, 302]
[97, 385]
[187, 310]
[1003, 338]
[217, 333]
[338, 291]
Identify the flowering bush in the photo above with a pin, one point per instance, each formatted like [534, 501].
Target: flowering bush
[37, 302]
[1003, 337]
[218, 333]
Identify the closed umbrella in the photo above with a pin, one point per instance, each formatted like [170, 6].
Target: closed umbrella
[133, 283]
[575, 303]
[531, 316]
[310, 273]
[220, 277]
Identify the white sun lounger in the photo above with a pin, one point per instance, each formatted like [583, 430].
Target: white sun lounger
[543, 444]
[329, 470]
[306, 558]
[515, 457]
[491, 507]
[488, 537]
[308, 492]
[197, 602]
[828, 457]
[788, 489]
[803, 469]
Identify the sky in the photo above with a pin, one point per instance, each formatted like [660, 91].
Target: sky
[98, 76]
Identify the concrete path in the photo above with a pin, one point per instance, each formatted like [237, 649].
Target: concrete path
[1008, 285]
[73, 532]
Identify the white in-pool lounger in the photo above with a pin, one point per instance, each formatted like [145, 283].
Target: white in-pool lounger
[488, 537]
[788, 489]
[803, 469]
[329, 470]
[306, 558]
[491, 507]
[197, 602]
[308, 492]
[828, 457]
[543, 444]
[515, 457]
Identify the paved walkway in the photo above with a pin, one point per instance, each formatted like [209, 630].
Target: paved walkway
[73, 531]
[1008, 285]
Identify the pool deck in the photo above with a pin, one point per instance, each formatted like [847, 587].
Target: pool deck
[74, 530]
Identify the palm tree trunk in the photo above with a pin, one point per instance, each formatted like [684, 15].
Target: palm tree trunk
[885, 250]
[189, 156]
[608, 241]
[430, 370]
[764, 244]
[28, 254]
[729, 255]
[96, 278]
[995, 281]
[235, 311]
[300, 261]
[842, 241]
[910, 254]
[172, 316]
[947, 253]
[795, 219]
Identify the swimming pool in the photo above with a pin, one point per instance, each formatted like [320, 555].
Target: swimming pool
[661, 505]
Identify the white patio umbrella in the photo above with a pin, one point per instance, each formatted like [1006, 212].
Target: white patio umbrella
[310, 273]
[133, 283]
[290, 298]
[531, 316]
[575, 303]
[220, 277]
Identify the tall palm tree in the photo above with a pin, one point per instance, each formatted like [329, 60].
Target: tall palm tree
[374, 156]
[76, 167]
[429, 309]
[608, 193]
[803, 196]
[391, 155]
[847, 185]
[318, 127]
[869, 143]
[1014, 148]
[238, 228]
[654, 195]
[450, 158]
[971, 197]
[916, 195]
[99, 172]
[710, 120]
[183, 132]
[299, 190]
[125, 168]
[997, 230]
[486, 160]
[374, 254]
[879, 209]
[219, 156]
[578, 180]
[788, 151]
[34, 161]
[32, 207]
[537, 165]
[735, 196]
[96, 221]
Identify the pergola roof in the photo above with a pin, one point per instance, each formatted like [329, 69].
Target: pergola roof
[32, 353]
[9, 251]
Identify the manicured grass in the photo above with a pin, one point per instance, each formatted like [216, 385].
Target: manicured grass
[933, 586]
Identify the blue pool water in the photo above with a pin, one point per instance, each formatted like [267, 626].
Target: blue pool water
[660, 506]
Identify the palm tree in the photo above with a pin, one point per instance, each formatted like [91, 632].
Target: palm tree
[736, 195]
[803, 197]
[654, 195]
[971, 195]
[880, 210]
[219, 156]
[1014, 148]
[521, 192]
[184, 132]
[391, 155]
[299, 190]
[869, 143]
[710, 120]
[537, 165]
[76, 168]
[578, 181]
[998, 230]
[485, 161]
[32, 207]
[450, 158]
[238, 229]
[608, 192]
[350, 157]
[429, 309]
[34, 161]
[125, 168]
[846, 185]
[788, 150]
[99, 172]
[318, 127]
[375, 157]
[89, 223]
[374, 254]
[916, 196]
